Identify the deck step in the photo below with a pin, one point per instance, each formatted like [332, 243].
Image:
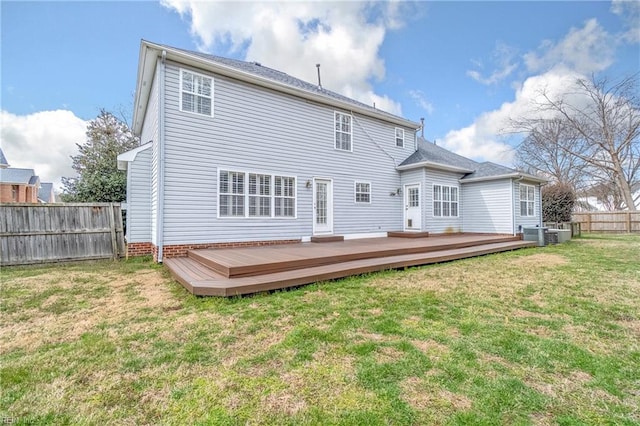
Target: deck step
[203, 281]
[327, 238]
[251, 261]
[407, 234]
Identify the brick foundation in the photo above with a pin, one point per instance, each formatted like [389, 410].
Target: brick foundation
[180, 250]
[139, 249]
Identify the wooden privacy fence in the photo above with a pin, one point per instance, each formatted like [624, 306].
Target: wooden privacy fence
[608, 222]
[39, 233]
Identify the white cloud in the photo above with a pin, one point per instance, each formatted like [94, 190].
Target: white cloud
[586, 50]
[42, 141]
[504, 58]
[420, 99]
[344, 37]
[629, 11]
[554, 68]
[484, 140]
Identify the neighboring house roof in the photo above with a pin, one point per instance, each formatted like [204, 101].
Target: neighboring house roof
[246, 71]
[45, 193]
[18, 176]
[3, 160]
[431, 155]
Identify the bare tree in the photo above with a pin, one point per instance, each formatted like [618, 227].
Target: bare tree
[593, 129]
[541, 153]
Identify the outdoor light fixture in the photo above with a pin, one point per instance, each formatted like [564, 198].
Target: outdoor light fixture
[308, 184]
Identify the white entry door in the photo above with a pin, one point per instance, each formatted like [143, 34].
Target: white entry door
[412, 209]
[322, 206]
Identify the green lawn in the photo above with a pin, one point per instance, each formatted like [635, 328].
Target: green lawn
[537, 336]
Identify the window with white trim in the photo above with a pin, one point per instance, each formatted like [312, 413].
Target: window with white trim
[343, 131]
[259, 195]
[445, 201]
[399, 137]
[196, 93]
[285, 196]
[246, 194]
[527, 200]
[363, 192]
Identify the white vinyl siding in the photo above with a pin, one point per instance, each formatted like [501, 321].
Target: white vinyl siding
[246, 194]
[363, 192]
[445, 201]
[399, 137]
[527, 201]
[487, 207]
[253, 131]
[139, 198]
[343, 131]
[196, 93]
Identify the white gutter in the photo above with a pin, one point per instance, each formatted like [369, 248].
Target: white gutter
[505, 176]
[202, 63]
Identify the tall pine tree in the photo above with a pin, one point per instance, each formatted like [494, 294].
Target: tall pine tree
[99, 179]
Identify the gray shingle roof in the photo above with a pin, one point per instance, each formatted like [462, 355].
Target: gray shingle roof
[260, 70]
[488, 168]
[11, 175]
[431, 153]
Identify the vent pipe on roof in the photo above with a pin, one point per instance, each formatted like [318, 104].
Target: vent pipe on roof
[422, 127]
[319, 82]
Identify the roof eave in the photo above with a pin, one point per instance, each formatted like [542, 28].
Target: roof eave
[504, 176]
[433, 165]
[147, 48]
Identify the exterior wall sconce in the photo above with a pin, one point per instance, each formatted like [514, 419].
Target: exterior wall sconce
[308, 184]
[397, 192]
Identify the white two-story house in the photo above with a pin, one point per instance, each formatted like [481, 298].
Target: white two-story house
[235, 153]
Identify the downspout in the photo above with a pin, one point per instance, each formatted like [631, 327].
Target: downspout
[513, 205]
[160, 212]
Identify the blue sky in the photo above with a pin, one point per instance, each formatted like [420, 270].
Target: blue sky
[463, 66]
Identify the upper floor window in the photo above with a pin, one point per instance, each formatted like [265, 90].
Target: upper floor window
[363, 192]
[399, 137]
[15, 192]
[527, 200]
[343, 131]
[196, 93]
[445, 201]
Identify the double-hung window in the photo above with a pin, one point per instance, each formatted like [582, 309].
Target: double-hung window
[231, 193]
[246, 194]
[527, 200]
[285, 196]
[196, 93]
[445, 201]
[399, 137]
[343, 131]
[259, 195]
[363, 192]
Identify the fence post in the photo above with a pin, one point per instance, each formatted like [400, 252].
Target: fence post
[588, 222]
[114, 234]
[628, 222]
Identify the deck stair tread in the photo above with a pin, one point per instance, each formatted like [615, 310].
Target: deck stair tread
[249, 261]
[199, 279]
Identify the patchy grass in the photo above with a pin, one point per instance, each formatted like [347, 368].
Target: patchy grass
[536, 336]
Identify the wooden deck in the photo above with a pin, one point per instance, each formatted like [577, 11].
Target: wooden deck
[236, 271]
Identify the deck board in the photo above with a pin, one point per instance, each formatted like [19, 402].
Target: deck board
[240, 262]
[200, 279]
